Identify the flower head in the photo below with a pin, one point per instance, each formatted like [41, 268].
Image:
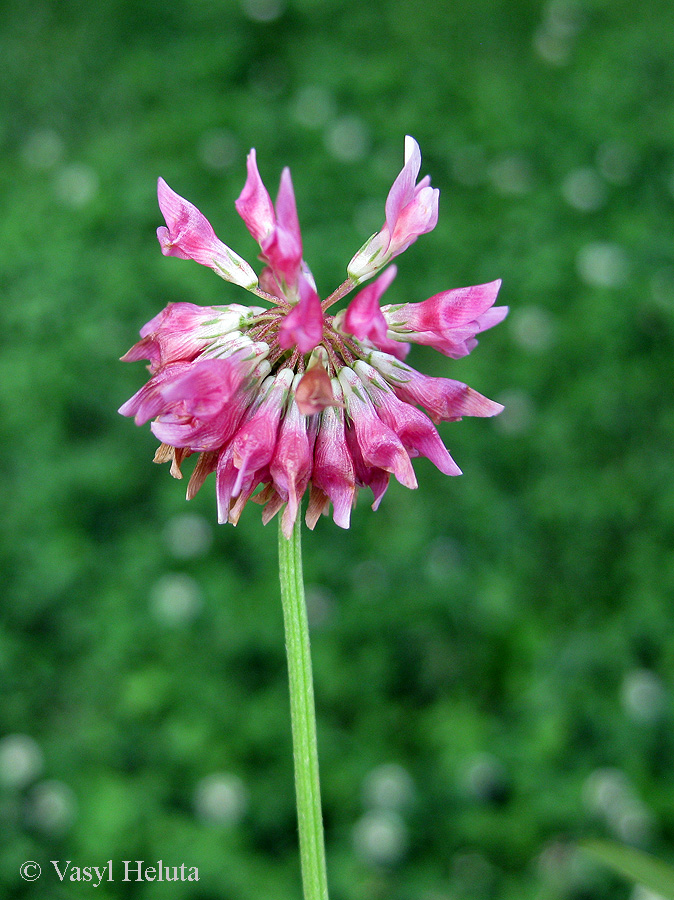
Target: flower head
[287, 399]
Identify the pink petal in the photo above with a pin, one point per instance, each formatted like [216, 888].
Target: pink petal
[178, 317]
[291, 466]
[254, 203]
[303, 326]
[148, 402]
[270, 283]
[253, 445]
[367, 476]
[394, 347]
[417, 218]
[492, 317]
[454, 349]
[363, 317]
[333, 471]
[284, 255]
[447, 400]
[411, 210]
[207, 434]
[417, 433]
[402, 190]
[286, 209]
[196, 402]
[380, 446]
[225, 479]
[204, 406]
[443, 398]
[177, 333]
[282, 247]
[189, 235]
[207, 385]
[448, 321]
[447, 310]
[276, 231]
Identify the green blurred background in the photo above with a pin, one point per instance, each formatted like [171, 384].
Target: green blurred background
[493, 654]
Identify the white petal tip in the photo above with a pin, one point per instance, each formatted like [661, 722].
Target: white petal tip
[410, 147]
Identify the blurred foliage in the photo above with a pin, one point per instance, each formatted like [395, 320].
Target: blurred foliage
[635, 865]
[493, 654]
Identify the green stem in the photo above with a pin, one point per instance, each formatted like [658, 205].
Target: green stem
[303, 717]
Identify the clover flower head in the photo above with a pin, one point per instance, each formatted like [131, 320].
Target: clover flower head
[287, 399]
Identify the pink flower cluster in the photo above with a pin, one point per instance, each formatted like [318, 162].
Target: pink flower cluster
[284, 399]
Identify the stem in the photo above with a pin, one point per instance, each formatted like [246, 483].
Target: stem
[344, 288]
[303, 717]
[270, 298]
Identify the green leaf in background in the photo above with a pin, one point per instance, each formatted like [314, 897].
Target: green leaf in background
[640, 867]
